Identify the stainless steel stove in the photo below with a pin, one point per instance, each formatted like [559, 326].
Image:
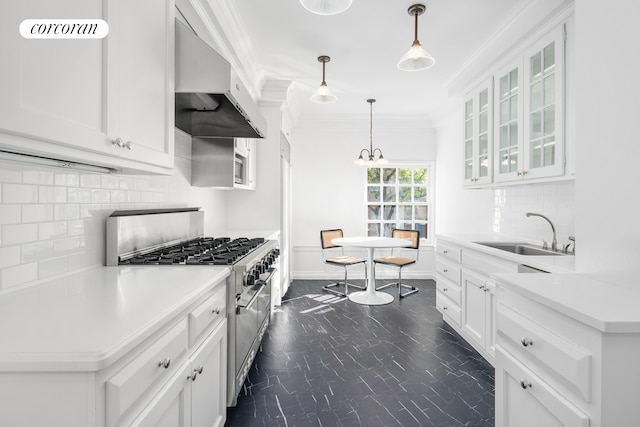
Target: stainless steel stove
[160, 237]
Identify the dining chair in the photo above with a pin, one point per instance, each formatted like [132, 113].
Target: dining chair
[333, 254]
[400, 262]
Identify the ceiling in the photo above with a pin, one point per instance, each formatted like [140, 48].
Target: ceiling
[365, 43]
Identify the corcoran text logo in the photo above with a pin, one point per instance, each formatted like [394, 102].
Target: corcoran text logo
[64, 29]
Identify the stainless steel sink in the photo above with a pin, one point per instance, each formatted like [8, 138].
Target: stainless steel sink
[521, 248]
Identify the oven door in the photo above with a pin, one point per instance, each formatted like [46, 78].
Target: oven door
[246, 321]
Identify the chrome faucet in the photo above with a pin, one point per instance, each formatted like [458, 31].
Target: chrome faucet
[554, 243]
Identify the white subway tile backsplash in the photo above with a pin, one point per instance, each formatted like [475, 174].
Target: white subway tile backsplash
[19, 193]
[37, 251]
[66, 212]
[16, 275]
[37, 213]
[90, 180]
[36, 176]
[52, 221]
[78, 195]
[10, 214]
[9, 256]
[52, 266]
[10, 172]
[52, 194]
[19, 233]
[52, 230]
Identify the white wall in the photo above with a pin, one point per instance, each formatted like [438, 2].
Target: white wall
[328, 190]
[52, 221]
[607, 93]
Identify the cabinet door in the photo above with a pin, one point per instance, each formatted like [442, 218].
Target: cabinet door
[52, 90]
[491, 302]
[474, 307]
[523, 400]
[73, 98]
[169, 408]
[140, 79]
[209, 387]
[478, 136]
[507, 162]
[544, 107]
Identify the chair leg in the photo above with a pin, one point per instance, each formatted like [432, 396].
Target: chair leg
[346, 284]
[413, 289]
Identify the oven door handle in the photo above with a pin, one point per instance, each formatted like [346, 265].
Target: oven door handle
[240, 309]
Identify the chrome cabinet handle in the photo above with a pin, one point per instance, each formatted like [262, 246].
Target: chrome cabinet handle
[444, 308]
[216, 310]
[118, 141]
[445, 289]
[199, 369]
[193, 375]
[128, 145]
[445, 270]
[526, 341]
[164, 363]
[481, 286]
[525, 384]
[445, 251]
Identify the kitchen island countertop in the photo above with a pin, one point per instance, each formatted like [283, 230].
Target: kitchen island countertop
[87, 320]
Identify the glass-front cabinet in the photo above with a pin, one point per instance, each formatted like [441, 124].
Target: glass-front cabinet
[514, 129]
[478, 107]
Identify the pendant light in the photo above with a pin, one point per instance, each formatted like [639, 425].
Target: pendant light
[326, 7]
[417, 58]
[323, 94]
[371, 151]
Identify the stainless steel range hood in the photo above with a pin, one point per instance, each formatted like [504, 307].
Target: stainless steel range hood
[210, 99]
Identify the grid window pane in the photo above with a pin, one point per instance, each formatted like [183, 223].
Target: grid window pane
[397, 199]
[373, 175]
[389, 175]
[373, 194]
[404, 194]
[389, 193]
[549, 56]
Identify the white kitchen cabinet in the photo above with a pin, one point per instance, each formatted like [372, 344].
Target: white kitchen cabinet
[107, 102]
[478, 124]
[524, 400]
[196, 394]
[469, 295]
[478, 316]
[529, 112]
[566, 352]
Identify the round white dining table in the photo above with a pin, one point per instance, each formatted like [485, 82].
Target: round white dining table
[370, 296]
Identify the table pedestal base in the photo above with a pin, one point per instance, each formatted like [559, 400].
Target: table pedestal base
[370, 298]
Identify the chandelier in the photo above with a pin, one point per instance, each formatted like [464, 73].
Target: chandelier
[370, 161]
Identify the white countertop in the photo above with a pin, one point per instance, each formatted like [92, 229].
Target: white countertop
[603, 306]
[552, 264]
[86, 321]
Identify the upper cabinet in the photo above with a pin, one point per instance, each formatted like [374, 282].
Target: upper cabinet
[526, 110]
[106, 101]
[477, 134]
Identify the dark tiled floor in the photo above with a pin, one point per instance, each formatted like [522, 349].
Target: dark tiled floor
[338, 363]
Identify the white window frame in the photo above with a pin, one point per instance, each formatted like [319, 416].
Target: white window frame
[430, 203]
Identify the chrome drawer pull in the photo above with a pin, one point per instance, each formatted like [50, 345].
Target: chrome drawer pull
[525, 384]
[216, 310]
[165, 363]
[526, 341]
[193, 376]
[445, 270]
[444, 308]
[445, 251]
[200, 369]
[444, 289]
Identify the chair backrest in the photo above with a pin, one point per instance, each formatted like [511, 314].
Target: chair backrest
[326, 236]
[412, 235]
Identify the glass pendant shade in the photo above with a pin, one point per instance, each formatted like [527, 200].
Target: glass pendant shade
[326, 7]
[323, 95]
[416, 59]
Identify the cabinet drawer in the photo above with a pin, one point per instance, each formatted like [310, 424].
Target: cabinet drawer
[449, 289]
[448, 308]
[153, 364]
[448, 270]
[448, 251]
[208, 314]
[524, 399]
[566, 362]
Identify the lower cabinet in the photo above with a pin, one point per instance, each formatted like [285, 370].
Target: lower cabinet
[478, 315]
[196, 394]
[524, 400]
